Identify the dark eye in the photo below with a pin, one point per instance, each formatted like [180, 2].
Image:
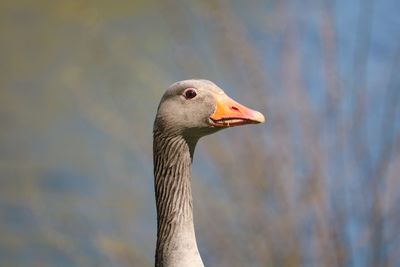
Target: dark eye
[189, 93]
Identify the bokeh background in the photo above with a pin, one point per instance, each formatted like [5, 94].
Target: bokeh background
[317, 185]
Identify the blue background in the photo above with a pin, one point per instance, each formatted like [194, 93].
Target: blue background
[317, 185]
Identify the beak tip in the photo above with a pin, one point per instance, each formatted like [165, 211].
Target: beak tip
[259, 117]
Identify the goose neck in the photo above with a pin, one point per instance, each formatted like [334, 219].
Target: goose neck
[176, 241]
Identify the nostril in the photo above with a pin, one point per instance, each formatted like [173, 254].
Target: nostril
[234, 108]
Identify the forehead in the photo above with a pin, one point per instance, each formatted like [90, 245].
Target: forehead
[198, 84]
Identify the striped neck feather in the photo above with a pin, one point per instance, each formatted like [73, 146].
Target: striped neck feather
[176, 241]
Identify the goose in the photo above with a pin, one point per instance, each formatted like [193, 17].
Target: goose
[188, 110]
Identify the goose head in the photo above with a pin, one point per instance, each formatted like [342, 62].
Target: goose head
[194, 108]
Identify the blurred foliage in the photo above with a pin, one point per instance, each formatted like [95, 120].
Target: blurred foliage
[317, 185]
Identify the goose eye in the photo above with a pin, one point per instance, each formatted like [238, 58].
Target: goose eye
[189, 93]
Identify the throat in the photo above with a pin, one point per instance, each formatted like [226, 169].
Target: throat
[176, 241]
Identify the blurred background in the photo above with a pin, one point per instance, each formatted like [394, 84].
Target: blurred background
[317, 185]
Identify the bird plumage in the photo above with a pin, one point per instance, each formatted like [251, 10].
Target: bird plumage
[188, 110]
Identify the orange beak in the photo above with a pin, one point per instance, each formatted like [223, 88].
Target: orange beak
[229, 113]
